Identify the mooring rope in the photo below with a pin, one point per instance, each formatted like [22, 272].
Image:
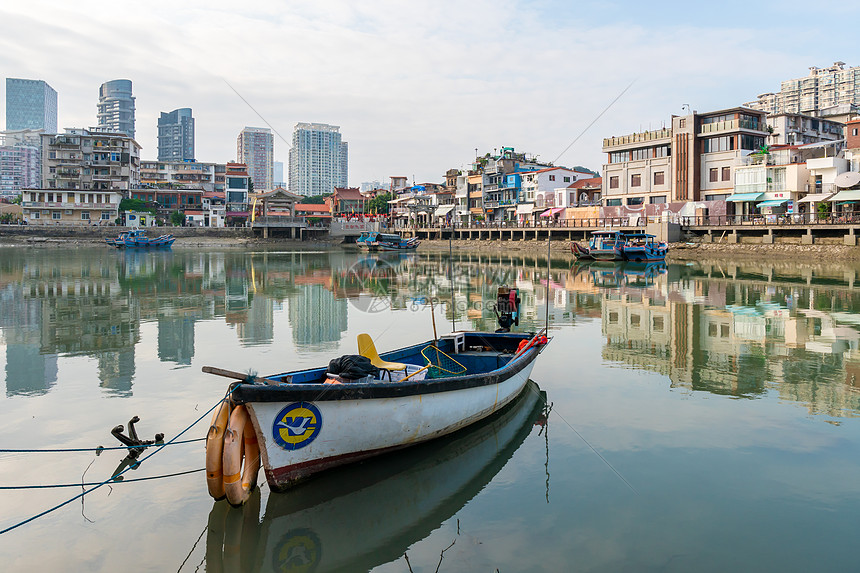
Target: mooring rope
[96, 449]
[111, 479]
[59, 485]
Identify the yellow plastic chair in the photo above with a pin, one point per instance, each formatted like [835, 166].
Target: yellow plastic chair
[367, 349]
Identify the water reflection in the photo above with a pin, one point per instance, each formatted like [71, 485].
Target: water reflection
[739, 329]
[364, 515]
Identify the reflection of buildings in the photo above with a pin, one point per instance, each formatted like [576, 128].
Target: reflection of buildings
[317, 316]
[176, 339]
[28, 370]
[259, 327]
[740, 332]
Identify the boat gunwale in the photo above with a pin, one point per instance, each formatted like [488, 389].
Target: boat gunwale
[243, 393]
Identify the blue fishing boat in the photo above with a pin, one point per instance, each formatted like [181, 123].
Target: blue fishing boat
[641, 247]
[137, 239]
[603, 246]
[373, 241]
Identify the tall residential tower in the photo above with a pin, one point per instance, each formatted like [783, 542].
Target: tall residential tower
[255, 148]
[318, 159]
[116, 107]
[30, 104]
[176, 135]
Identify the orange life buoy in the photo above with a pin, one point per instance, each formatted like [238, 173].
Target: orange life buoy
[240, 441]
[215, 449]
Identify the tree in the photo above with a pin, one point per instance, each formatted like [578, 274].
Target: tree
[177, 218]
[137, 205]
[316, 199]
[378, 204]
[250, 185]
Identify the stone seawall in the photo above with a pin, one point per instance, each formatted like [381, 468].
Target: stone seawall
[99, 233]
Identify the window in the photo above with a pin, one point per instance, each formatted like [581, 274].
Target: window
[613, 202]
[105, 215]
[657, 323]
[56, 215]
[635, 200]
[854, 131]
[645, 153]
[613, 318]
[713, 174]
[712, 329]
[727, 173]
[85, 215]
[659, 177]
[613, 182]
[619, 156]
[34, 215]
[724, 143]
[635, 320]
[552, 177]
[567, 179]
[682, 123]
[751, 142]
[659, 199]
[636, 180]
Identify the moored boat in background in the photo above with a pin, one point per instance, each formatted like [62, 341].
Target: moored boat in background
[640, 247]
[137, 238]
[374, 241]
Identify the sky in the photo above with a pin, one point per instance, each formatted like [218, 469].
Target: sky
[416, 86]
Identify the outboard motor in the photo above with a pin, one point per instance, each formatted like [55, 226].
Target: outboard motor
[507, 308]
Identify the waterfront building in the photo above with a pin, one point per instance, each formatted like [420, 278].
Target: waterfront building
[691, 161]
[461, 199]
[346, 201]
[255, 148]
[238, 187]
[80, 159]
[176, 135]
[116, 107]
[545, 189]
[206, 176]
[318, 159]
[70, 206]
[170, 200]
[800, 129]
[30, 104]
[501, 181]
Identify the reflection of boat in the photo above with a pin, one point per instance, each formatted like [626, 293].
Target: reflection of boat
[603, 246]
[643, 247]
[137, 239]
[363, 516]
[305, 424]
[643, 273]
[612, 274]
[373, 241]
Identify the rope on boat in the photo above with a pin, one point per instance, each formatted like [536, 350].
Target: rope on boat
[60, 485]
[111, 479]
[97, 450]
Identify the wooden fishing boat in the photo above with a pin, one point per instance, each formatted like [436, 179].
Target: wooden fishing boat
[118, 241]
[307, 421]
[641, 247]
[373, 241]
[137, 239]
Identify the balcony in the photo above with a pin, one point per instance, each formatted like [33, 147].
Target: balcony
[643, 137]
[731, 125]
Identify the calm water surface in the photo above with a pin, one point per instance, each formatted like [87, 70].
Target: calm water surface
[704, 417]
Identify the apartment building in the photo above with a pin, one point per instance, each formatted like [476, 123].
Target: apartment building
[693, 160]
[206, 176]
[30, 104]
[176, 135]
[255, 148]
[82, 159]
[116, 107]
[824, 92]
[238, 183]
[319, 159]
[800, 129]
[70, 207]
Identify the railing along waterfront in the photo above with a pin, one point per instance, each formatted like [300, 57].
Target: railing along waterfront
[788, 219]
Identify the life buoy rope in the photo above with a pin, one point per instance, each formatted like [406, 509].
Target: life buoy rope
[230, 442]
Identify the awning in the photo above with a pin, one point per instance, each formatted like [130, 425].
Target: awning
[772, 203]
[745, 197]
[443, 210]
[852, 195]
[551, 212]
[816, 198]
[525, 208]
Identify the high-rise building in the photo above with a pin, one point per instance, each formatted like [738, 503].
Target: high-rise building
[255, 147]
[825, 92]
[318, 159]
[279, 175]
[116, 107]
[30, 104]
[176, 135]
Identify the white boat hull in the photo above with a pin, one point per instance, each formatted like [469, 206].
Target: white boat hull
[350, 430]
